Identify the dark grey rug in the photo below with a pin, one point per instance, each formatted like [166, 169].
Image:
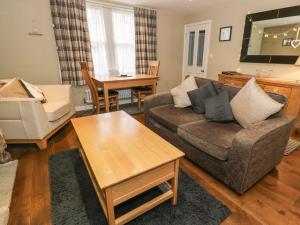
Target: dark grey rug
[74, 201]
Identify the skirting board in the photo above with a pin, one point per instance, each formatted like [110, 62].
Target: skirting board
[87, 107]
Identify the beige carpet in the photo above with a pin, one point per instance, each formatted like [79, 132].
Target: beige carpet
[7, 180]
[291, 146]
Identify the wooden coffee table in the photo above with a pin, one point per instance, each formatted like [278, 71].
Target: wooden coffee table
[124, 159]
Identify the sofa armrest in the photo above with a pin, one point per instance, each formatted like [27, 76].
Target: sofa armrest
[151, 101]
[258, 149]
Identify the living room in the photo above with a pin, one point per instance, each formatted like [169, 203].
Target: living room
[149, 112]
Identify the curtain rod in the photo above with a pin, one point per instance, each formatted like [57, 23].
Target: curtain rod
[116, 5]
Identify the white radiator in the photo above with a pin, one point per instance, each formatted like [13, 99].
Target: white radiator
[88, 96]
[124, 94]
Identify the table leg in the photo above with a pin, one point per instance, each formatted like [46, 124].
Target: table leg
[174, 182]
[154, 87]
[110, 207]
[106, 98]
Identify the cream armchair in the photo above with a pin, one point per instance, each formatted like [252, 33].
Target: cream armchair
[27, 120]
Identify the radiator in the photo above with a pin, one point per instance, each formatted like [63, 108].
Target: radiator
[123, 94]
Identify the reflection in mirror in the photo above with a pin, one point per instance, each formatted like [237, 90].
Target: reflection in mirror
[279, 36]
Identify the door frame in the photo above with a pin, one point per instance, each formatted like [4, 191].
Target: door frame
[206, 56]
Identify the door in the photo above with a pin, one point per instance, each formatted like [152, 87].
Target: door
[196, 44]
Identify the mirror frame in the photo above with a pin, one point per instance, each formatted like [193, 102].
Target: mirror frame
[267, 15]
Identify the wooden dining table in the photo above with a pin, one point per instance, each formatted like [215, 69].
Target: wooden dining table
[119, 82]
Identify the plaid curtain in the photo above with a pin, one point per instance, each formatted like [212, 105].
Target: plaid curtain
[145, 38]
[72, 38]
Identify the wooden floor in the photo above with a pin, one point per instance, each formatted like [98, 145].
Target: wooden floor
[274, 200]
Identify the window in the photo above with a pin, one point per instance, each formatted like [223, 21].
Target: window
[112, 39]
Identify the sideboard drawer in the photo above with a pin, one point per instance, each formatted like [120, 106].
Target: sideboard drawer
[279, 90]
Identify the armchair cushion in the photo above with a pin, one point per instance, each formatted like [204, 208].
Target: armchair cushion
[212, 138]
[56, 109]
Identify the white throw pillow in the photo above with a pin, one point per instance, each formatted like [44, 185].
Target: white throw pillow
[179, 93]
[252, 104]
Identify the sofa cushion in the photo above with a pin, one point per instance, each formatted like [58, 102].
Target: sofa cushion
[199, 95]
[56, 109]
[212, 138]
[218, 109]
[252, 104]
[172, 117]
[179, 93]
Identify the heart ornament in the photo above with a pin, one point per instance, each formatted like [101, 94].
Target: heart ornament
[295, 43]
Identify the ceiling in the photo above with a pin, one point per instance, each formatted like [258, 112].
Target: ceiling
[179, 6]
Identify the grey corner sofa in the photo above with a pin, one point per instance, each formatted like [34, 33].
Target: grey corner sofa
[236, 156]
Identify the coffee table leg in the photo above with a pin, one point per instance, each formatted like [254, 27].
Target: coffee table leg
[110, 207]
[174, 182]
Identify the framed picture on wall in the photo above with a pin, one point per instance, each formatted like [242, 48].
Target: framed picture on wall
[225, 33]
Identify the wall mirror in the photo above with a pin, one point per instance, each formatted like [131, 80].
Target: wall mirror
[272, 36]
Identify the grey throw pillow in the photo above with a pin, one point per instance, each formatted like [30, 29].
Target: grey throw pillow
[218, 108]
[199, 95]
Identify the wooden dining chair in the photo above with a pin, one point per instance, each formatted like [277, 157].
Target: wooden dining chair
[143, 91]
[98, 95]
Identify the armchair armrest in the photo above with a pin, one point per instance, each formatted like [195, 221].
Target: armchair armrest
[258, 149]
[151, 101]
[59, 93]
[56, 92]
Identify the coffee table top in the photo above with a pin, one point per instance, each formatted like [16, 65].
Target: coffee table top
[118, 147]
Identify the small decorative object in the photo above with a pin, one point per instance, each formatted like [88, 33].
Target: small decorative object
[296, 43]
[4, 155]
[35, 30]
[225, 33]
[287, 42]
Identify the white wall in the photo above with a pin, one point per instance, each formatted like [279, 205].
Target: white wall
[34, 58]
[170, 33]
[226, 54]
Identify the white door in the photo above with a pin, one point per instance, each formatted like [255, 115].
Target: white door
[196, 44]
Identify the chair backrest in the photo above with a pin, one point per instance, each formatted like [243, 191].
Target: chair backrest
[89, 81]
[153, 67]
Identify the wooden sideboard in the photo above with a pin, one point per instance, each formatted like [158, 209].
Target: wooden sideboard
[290, 89]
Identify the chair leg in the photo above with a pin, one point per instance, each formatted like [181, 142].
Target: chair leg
[117, 103]
[139, 101]
[132, 96]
